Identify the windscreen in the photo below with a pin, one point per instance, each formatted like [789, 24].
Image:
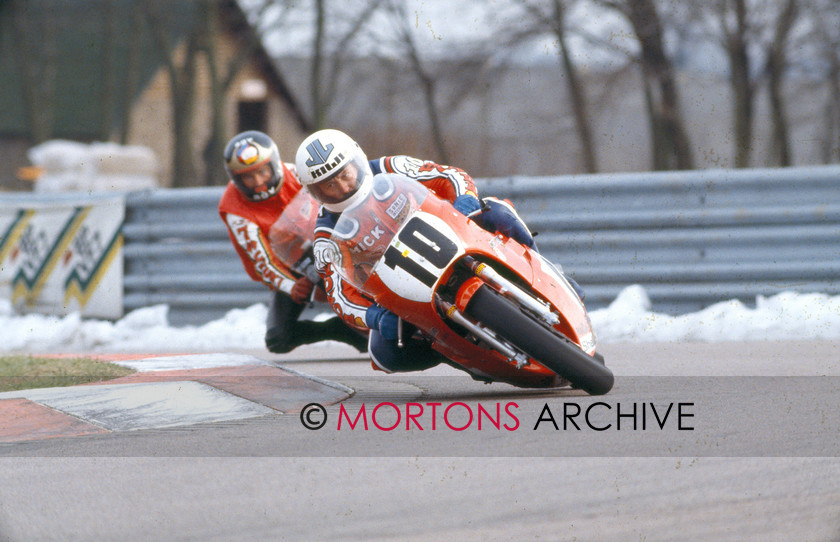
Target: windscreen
[365, 230]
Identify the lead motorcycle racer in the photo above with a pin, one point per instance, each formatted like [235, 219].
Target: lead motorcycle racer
[336, 171]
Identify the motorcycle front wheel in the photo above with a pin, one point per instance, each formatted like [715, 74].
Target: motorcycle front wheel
[539, 342]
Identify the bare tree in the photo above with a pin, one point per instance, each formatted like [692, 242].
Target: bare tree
[824, 19]
[443, 74]
[428, 83]
[181, 68]
[775, 69]
[670, 142]
[336, 27]
[735, 41]
[551, 17]
[214, 147]
[222, 72]
[198, 43]
[754, 35]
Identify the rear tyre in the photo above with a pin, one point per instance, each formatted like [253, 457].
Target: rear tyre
[548, 347]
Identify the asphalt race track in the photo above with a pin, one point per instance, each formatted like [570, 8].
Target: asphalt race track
[696, 442]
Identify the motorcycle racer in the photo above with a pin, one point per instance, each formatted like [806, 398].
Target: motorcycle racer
[260, 188]
[336, 171]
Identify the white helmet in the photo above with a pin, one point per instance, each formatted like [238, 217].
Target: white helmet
[320, 159]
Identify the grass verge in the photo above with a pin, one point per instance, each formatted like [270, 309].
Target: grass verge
[27, 372]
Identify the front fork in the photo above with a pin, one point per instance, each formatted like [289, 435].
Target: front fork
[451, 311]
[485, 273]
[508, 289]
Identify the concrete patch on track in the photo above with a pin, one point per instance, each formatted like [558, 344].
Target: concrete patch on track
[279, 389]
[124, 407]
[168, 391]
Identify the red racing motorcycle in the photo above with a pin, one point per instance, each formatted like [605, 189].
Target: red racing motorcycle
[495, 308]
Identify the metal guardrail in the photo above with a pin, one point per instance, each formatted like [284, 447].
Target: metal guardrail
[689, 238]
[177, 252]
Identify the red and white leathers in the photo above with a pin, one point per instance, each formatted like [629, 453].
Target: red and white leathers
[248, 223]
[445, 181]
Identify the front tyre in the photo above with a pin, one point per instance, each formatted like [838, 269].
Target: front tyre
[548, 347]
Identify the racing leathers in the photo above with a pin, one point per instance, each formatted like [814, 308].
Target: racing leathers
[449, 183]
[248, 224]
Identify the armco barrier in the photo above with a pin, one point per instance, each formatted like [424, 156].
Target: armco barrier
[177, 252]
[689, 238]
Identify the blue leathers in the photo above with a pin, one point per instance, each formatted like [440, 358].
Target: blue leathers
[383, 321]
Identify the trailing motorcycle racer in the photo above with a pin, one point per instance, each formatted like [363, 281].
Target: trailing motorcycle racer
[336, 171]
[260, 189]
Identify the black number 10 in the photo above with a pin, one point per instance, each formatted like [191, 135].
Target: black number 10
[428, 243]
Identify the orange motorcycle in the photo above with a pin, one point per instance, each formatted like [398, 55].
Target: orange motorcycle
[493, 307]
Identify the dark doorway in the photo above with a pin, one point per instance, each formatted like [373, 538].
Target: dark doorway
[252, 116]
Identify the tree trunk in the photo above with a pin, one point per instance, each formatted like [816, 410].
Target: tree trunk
[671, 147]
[183, 166]
[428, 86]
[427, 82]
[742, 85]
[776, 65]
[781, 142]
[576, 93]
[214, 147]
[182, 89]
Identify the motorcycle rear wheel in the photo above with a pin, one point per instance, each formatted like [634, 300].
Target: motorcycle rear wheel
[547, 346]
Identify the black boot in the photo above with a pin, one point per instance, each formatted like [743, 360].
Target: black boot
[335, 329]
[281, 341]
